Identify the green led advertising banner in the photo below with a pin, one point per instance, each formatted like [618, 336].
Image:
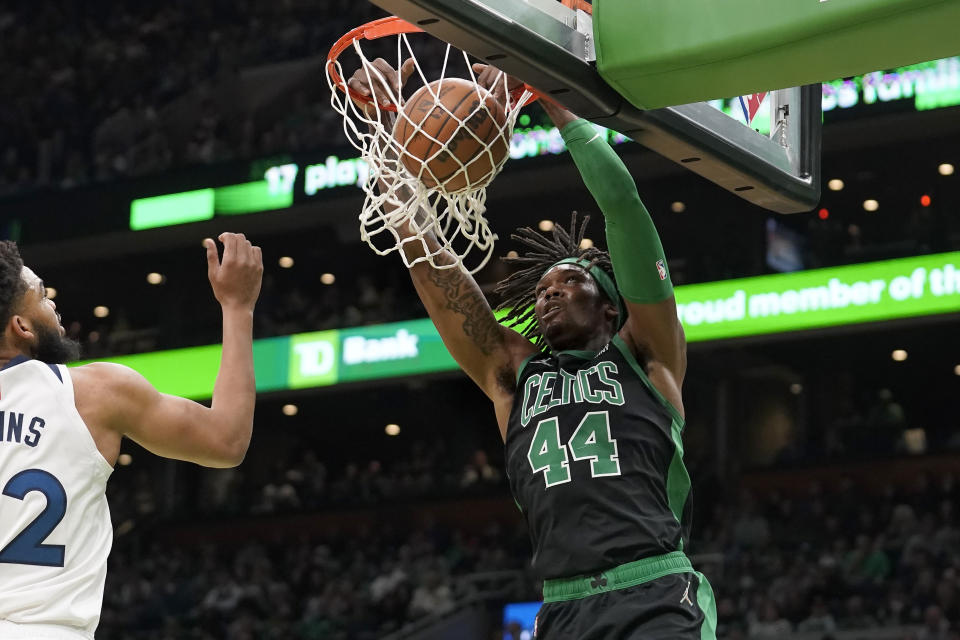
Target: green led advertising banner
[870, 292]
[390, 350]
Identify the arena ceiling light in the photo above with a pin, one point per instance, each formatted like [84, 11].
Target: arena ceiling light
[956, 370]
[870, 205]
[835, 184]
[328, 278]
[154, 277]
[545, 225]
[286, 262]
[51, 293]
[796, 388]
[678, 207]
[899, 355]
[945, 169]
[586, 243]
[392, 429]
[290, 410]
[512, 254]
[101, 311]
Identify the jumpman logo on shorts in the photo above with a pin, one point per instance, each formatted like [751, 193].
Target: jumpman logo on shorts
[686, 595]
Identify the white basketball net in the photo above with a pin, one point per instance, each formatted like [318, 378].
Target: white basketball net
[399, 208]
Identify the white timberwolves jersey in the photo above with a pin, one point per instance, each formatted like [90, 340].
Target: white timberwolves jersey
[55, 532]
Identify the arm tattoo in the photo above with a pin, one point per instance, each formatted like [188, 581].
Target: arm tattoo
[462, 297]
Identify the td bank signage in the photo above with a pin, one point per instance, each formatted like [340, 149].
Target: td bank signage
[870, 292]
[364, 353]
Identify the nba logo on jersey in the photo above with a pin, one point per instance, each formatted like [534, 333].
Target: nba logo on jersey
[662, 270]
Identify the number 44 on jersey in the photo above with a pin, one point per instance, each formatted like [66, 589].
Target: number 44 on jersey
[590, 441]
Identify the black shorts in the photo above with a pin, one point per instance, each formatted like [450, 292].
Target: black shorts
[678, 606]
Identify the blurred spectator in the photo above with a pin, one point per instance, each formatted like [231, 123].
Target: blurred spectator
[432, 596]
[829, 568]
[819, 621]
[935, 626]
[855, 615]
[132, 90]
[765, 589]
[479, 471]
[768, 625]
[751, 528]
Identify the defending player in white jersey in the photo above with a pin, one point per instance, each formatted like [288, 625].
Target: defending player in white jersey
[60, 434]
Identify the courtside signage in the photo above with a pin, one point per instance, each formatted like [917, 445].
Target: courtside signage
[854, 294]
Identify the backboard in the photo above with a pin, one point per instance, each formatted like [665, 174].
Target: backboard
[551, 47]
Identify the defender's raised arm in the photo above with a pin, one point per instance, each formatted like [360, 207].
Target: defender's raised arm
[124, 403]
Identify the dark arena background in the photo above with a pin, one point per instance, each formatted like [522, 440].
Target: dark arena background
[824, 449]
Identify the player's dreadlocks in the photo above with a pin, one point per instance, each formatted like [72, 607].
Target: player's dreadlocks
[518, 291]
[12, 286]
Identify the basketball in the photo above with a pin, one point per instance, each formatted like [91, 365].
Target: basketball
[451, 132]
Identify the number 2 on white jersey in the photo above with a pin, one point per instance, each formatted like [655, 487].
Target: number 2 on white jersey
[27, 547]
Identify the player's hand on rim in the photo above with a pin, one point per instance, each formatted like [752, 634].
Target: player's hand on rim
[236, 278]
[380, 84]
[491, 78]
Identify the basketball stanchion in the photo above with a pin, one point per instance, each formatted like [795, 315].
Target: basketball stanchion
[431, 156]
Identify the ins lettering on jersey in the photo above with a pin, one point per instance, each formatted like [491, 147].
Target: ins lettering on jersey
[596, 385]
[13, 424]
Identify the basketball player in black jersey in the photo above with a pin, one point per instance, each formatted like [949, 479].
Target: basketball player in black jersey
[588, 403]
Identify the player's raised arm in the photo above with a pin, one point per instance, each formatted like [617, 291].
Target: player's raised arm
[487, 351]
[123, 401]
[643, 278]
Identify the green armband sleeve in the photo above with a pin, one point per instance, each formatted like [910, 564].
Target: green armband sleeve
[632, 240]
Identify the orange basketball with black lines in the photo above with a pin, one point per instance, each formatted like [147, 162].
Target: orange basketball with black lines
[451, 135]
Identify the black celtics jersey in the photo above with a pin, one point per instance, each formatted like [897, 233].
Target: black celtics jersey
[595, 462]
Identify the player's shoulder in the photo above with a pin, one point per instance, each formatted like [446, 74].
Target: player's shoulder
[108, 369]
[105, 393]
[99, 377]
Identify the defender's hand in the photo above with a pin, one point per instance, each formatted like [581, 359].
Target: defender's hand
[374, 83]
[236, 279]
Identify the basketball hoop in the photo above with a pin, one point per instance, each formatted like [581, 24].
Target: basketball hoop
[396, 197]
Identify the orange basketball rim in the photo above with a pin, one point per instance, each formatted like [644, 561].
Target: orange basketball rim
[374, 30]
